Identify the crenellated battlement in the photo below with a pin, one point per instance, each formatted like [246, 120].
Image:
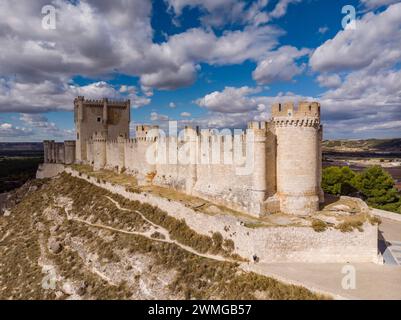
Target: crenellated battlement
[102, 102]
[305, 110]
[272, 165]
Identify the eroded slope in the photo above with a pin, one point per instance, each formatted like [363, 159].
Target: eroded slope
[67, 239]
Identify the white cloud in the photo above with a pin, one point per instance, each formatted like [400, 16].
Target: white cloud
[372, 4]
[40, 126]
[185, 114]
[154, 116]
[279, 65]
[281, 8]
[230, 100]
[8, 130]
[6, 126]
[363, 101]
[172, 105]
[234, 107]
[381, 126]
[374, 44]
[219, 117]
[329, 81]
[171, 78]
[217, 13]
[47, 95]
[359, 103]
[366, 100]
[94, 38]
[323, 30]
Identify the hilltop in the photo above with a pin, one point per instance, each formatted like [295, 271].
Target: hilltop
[65, 238]
[369, 145]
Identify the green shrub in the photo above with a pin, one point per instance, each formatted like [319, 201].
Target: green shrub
[377, 188]
[374, 185]
[338, 181]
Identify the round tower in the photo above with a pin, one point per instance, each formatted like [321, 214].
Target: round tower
[190, 137]
[298, 158]
[257, 132]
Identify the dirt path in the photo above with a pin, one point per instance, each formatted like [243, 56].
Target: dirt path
[149, 233]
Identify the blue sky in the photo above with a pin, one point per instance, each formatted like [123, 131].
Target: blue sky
[215, 63]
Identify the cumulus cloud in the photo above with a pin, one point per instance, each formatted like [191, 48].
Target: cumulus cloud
[374, 44]
[41, 126]
[234, 107]
[7, 130]
[220, 12]
[372, 4]
[230, 100]
[323, 30]
[96, 38]
[362, 101]
[50, 96]
[217, 13]
[281, 8]
[279, 65]
[185, 114]
[172, 105]
[329, 80]
[154, 116]
[381, 126]
[369, 94]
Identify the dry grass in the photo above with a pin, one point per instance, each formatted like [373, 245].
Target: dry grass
[195, 277]
[319, 225]
[107, 175]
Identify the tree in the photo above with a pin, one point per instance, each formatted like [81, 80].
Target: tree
[377, 188]
[338, 181]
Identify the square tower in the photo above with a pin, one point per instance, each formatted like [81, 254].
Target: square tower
[109, 118]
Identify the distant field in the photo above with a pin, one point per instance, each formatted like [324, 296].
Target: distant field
[358, 154]
[18, 163]
[370, 147]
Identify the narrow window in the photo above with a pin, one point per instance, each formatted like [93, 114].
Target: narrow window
[99, 119]
[279, 107]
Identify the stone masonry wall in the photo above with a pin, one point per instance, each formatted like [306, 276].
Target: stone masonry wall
[270, 244]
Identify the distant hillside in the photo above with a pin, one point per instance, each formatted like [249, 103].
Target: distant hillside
[21, 146]
[370, 145]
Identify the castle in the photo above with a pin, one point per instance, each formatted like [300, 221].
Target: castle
[281, 171]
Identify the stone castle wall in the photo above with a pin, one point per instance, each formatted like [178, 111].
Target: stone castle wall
[281, 169]
[269, 244]
[59, 152]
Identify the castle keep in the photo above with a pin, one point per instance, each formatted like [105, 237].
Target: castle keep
[281, 170]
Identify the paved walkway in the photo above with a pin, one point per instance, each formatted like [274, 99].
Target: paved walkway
[372, 281]
[390, 241]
